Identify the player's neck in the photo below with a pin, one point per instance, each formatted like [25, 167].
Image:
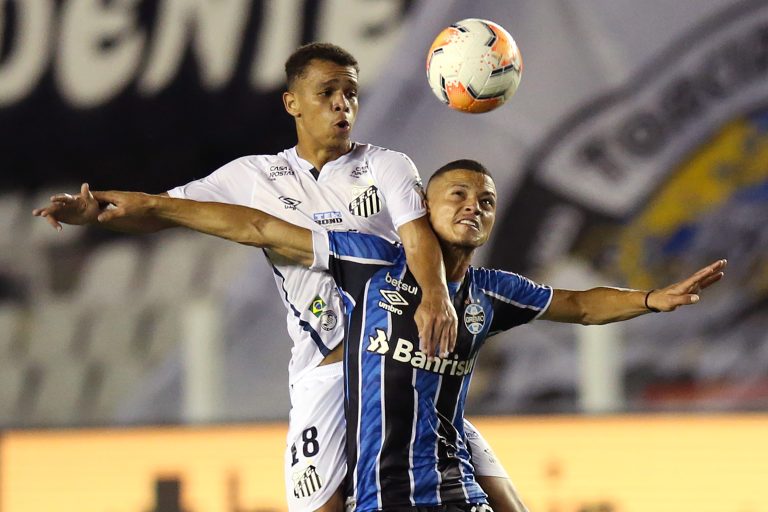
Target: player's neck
[456, 260]
[319, 155]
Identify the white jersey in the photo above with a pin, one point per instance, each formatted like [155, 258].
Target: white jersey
[370, 189]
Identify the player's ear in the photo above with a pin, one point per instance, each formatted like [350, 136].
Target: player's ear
[425, 196]
[291, 104]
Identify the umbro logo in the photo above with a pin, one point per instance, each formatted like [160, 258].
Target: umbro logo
[289, 202]
[393, 299]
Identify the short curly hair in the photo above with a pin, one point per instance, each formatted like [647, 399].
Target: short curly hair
[296, 65]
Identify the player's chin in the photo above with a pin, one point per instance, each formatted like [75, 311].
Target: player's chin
[339, 138]
[469, 241]
[469, 237]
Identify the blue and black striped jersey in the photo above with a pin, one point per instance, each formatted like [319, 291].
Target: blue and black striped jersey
[406, 444]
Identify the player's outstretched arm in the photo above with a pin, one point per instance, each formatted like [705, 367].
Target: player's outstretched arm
[605, 305]
[232, 222]
[83, 208]
[435, 317]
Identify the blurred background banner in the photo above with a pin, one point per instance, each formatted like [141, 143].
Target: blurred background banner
[563, 464]
[633, 153]
[150, 94]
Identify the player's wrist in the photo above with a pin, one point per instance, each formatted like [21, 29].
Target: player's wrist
[648, 306]
[153, 202]
[434, 292]
[155, 205]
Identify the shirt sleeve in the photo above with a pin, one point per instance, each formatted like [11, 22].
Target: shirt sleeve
[351, 257]
[232, 183]
[516, 299]
[400, 184]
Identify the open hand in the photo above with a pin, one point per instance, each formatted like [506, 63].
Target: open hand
[687, 291]
[77, 209]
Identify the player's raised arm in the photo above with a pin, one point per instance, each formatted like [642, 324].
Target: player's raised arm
[232, 222]
[81, 209]
[604, 305]
[399, 182]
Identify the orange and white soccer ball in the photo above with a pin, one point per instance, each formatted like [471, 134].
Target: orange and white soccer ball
[474, 66]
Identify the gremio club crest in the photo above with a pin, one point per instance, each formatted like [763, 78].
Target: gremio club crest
[474, 318]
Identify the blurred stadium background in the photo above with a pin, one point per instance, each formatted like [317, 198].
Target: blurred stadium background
[635, 151]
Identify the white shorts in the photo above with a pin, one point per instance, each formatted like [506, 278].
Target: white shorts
[484, 460]
[315, 458]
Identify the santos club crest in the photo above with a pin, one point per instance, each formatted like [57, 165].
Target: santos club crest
[366, 204]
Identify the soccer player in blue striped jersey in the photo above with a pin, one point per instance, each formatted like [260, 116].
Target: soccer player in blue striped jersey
[406, 444]
[406, 447]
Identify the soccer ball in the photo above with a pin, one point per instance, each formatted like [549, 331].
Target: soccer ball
[474, 66]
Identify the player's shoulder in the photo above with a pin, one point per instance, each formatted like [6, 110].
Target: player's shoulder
[503, 283]
[257, 164]
[379, 154]
[261, 161]
[488, 277]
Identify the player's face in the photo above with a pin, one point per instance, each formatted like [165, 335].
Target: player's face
[462, 207]
[324, 103]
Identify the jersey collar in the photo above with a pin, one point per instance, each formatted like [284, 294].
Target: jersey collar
[306, 166]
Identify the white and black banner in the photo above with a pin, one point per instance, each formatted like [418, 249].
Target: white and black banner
[150, 94]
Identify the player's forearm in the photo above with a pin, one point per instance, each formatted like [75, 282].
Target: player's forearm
[231, 222]
[237, 223]
[596, 306]
[136, 226]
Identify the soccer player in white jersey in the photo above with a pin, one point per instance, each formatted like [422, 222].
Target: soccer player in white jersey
[462, 203]
[326, 181]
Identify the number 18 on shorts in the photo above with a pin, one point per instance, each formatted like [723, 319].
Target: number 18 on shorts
[315, 460]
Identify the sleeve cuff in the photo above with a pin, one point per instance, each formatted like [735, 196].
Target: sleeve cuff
[405, 219]
[546, 306]
[177, 193]
[322, 250]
